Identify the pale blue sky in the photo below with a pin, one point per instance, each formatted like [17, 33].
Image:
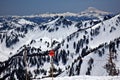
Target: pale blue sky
[28, 7]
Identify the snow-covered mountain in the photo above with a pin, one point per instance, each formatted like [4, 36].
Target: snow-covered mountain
[94, 11]
[89, 13]
[83, 45]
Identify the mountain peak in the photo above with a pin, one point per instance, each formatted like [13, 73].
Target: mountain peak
[92, 10]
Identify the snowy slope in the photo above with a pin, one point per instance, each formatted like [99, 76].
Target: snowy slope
[85, 40]
[85, 78]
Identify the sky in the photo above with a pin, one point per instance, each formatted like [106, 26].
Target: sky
[30, 7]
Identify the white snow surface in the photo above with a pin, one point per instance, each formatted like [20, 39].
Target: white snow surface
[84, 78]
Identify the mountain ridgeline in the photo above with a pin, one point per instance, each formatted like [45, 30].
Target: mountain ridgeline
[84, 44]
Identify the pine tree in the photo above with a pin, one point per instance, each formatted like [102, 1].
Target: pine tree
[110, 66]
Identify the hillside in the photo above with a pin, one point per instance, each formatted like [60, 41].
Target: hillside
[82, 47]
